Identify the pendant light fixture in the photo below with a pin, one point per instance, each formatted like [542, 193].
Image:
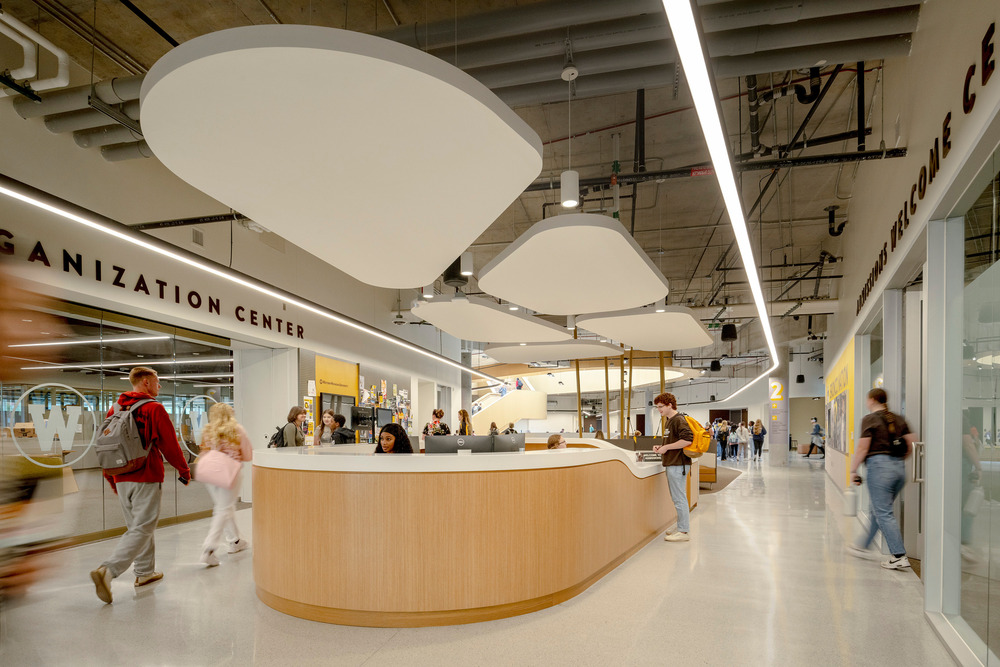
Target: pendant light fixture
[800, 378]
[728, 332]
[569, 181]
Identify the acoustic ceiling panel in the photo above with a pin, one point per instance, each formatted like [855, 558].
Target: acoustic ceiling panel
[574, 263]
[644, 329]
[376, 157]
[570, 349]
[592, 380]
[483, 320]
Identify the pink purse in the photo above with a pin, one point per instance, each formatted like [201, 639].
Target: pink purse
[215, 468]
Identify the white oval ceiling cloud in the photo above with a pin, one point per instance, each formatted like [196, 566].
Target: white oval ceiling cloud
[380, 159]
[570, 349]
[676, 328]
[574, 263]
[482, 320]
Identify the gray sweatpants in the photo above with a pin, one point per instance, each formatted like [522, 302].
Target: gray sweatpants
[140, 503]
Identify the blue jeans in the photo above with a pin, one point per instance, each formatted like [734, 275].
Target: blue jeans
[886, 477]
[676, 481]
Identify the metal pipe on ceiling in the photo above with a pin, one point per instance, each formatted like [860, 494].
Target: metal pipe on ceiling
[104, 136]
[129, 151]
[110, 91]
[85, 119]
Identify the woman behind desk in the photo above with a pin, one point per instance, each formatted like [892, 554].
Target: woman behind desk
[392, 439]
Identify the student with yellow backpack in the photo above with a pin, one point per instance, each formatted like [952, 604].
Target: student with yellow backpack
[683, 439]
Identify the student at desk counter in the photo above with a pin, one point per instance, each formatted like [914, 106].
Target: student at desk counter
[392, 439]
[292, 432]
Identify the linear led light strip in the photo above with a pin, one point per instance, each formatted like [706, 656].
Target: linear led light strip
[120, 364]
[87, 341]
[35, 197]
[687, 40]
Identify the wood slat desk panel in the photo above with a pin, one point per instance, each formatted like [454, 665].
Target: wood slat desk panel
[340, 546]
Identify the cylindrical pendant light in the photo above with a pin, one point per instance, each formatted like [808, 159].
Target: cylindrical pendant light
[428, 292]
[571, 322]
[715, 366]
[466, 263]
[569, 189]
[728, 332]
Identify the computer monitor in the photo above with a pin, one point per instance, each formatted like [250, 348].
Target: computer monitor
[511, 442]
[451, 444]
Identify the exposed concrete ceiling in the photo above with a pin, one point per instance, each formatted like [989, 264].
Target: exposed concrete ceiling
[679, 221]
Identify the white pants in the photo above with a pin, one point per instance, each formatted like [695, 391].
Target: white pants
[223, 513]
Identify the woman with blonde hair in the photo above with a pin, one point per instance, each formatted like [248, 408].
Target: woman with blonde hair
[464, 425]
[224, 434]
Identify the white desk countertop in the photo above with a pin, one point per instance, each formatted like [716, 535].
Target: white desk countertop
[359, 458]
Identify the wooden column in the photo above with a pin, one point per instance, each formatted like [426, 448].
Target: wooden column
[579, 394]
[607, 401]
[663, 388]
[621, 396]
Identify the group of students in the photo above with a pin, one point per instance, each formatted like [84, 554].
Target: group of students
[437, 427]
[733, 440]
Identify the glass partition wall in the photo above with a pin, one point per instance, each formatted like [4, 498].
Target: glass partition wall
[977, 443]
[63, 373]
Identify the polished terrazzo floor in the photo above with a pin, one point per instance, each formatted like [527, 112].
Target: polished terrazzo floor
[765, 581]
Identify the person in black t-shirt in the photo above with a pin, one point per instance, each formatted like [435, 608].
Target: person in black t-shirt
[886, 476]
[676, 436]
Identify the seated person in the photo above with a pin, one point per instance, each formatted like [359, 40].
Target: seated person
[557, 441]
[392, 439]
[510, 429]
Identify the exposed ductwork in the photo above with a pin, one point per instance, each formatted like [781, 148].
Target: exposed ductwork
[618, 47]
[112, 91]
[61, 79]
[30, 65]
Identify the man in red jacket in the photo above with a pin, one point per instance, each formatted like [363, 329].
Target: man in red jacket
[139, 492]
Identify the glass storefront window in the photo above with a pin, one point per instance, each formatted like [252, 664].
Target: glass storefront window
[977, 446]
[65, 371]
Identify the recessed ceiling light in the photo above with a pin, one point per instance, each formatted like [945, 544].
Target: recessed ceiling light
[511, 307]
[523, 343]
[195, 354]
[25, 320]
[141, 356]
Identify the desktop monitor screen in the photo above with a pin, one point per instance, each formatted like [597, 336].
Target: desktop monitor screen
[450, 444]
[511, 442]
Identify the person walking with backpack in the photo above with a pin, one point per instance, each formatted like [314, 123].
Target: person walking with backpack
[758, 439]
[722, 439]
[677, 435]
[885, 442]
[816, 439]
[225, 435]
[139, 492]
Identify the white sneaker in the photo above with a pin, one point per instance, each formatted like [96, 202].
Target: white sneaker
[896, 563]
[209, 558]
[238, 546]
[677, 537]
[858, 552]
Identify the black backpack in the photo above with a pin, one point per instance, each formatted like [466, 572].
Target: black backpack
[897, 444]
[277, 438]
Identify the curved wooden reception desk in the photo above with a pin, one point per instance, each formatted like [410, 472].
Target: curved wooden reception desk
[417, 540]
